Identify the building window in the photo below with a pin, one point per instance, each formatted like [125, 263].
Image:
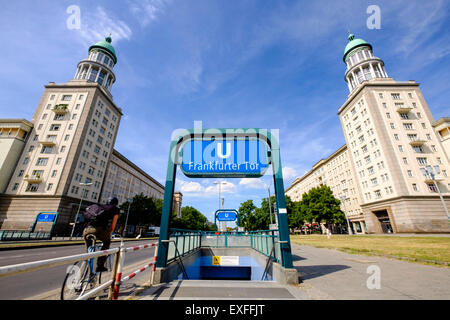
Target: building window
[404, 116]
[392, 126]
[405, 160]
[74, 116]
[15, 187]
[47, 149]
[377, 194]
[26, 160]
[395, 96]
[42, 161]
[410, 173]
[55, 127]
[396, 137]
[66, 97]
[422, 161]
[63, 148]
[400, 148]
[32, 187]
[66, 137]
[70, 126]
[74, 190]
[54, 173]
[415, 187]
[58, 117]
[388, 115]
[432, 187]
[50, 186]
[408, 126]
[381, 95]
[58, 161]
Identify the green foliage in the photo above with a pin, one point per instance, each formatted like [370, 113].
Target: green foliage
[143, 211]
[253, 218]
[318, 204]
[191, 219]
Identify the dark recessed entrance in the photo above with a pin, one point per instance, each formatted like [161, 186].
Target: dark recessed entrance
[385, 222]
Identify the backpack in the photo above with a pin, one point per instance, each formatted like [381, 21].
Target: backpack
[93, 211]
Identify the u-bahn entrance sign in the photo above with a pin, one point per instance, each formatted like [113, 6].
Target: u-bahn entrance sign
[229, 153]
[226, 215]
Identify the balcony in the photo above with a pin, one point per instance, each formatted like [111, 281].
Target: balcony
[437, 178]
[403, 109]
[47, 143]
[417, 142]
[33, 178]
[60, 109]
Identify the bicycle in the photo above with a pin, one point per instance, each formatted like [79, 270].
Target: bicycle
[81, 276]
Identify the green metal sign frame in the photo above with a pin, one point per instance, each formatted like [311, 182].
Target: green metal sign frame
[225, 210]
[175, 158]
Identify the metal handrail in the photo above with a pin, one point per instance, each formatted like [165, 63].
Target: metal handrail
[179, 257]
[44, 264]
[10, 270]
[266, 269]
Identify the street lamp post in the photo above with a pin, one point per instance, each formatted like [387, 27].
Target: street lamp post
[343, 197]
[128, 213]
[429, 171]
[220, 198]
[79, 206]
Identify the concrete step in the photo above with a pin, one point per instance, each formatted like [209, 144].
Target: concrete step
[220, 290]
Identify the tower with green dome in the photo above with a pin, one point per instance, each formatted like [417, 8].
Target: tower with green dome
[99, 65]
[362, 65]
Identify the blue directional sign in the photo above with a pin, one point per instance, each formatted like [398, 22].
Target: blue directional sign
[226, 216]
[225, 158]
[46, 217]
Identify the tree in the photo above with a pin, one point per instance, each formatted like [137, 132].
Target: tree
[191, 219]
[246, 214]
[319, 205]
[143, 211]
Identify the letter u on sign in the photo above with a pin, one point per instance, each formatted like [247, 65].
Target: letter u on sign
[220, 150]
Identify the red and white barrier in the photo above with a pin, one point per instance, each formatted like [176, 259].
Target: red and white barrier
[133, 274]
[119, 279]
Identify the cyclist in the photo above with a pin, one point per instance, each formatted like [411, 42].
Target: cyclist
[102, 226]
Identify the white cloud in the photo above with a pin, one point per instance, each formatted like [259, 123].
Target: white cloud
[147, 11]
[289, 173]
[98, 24]
[191, 187]
[252, 183]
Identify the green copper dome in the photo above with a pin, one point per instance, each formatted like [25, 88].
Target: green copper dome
[354, 43]
[106, 45]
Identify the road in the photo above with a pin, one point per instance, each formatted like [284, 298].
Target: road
[45, 284]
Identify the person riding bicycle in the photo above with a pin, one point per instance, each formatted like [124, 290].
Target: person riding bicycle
[102, 226]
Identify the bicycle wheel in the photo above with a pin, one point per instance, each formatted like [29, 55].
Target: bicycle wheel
[75, 281]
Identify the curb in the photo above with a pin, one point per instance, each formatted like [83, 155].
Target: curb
[55, 243]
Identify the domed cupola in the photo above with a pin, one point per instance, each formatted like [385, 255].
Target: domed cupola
[362, 65]
[98, 67]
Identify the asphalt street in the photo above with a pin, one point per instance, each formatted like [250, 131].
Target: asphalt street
[45, 284]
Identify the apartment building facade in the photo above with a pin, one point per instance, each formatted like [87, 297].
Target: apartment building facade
[66, 155]
[124, 180]
[391, 143]
[336, 172]
[13, 136]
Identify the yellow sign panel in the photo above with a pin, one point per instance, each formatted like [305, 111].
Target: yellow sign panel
[216, 260]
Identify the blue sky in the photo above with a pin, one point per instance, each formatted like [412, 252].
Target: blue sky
[264, 64]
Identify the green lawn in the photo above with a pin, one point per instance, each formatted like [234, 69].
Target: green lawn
[428, 250]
